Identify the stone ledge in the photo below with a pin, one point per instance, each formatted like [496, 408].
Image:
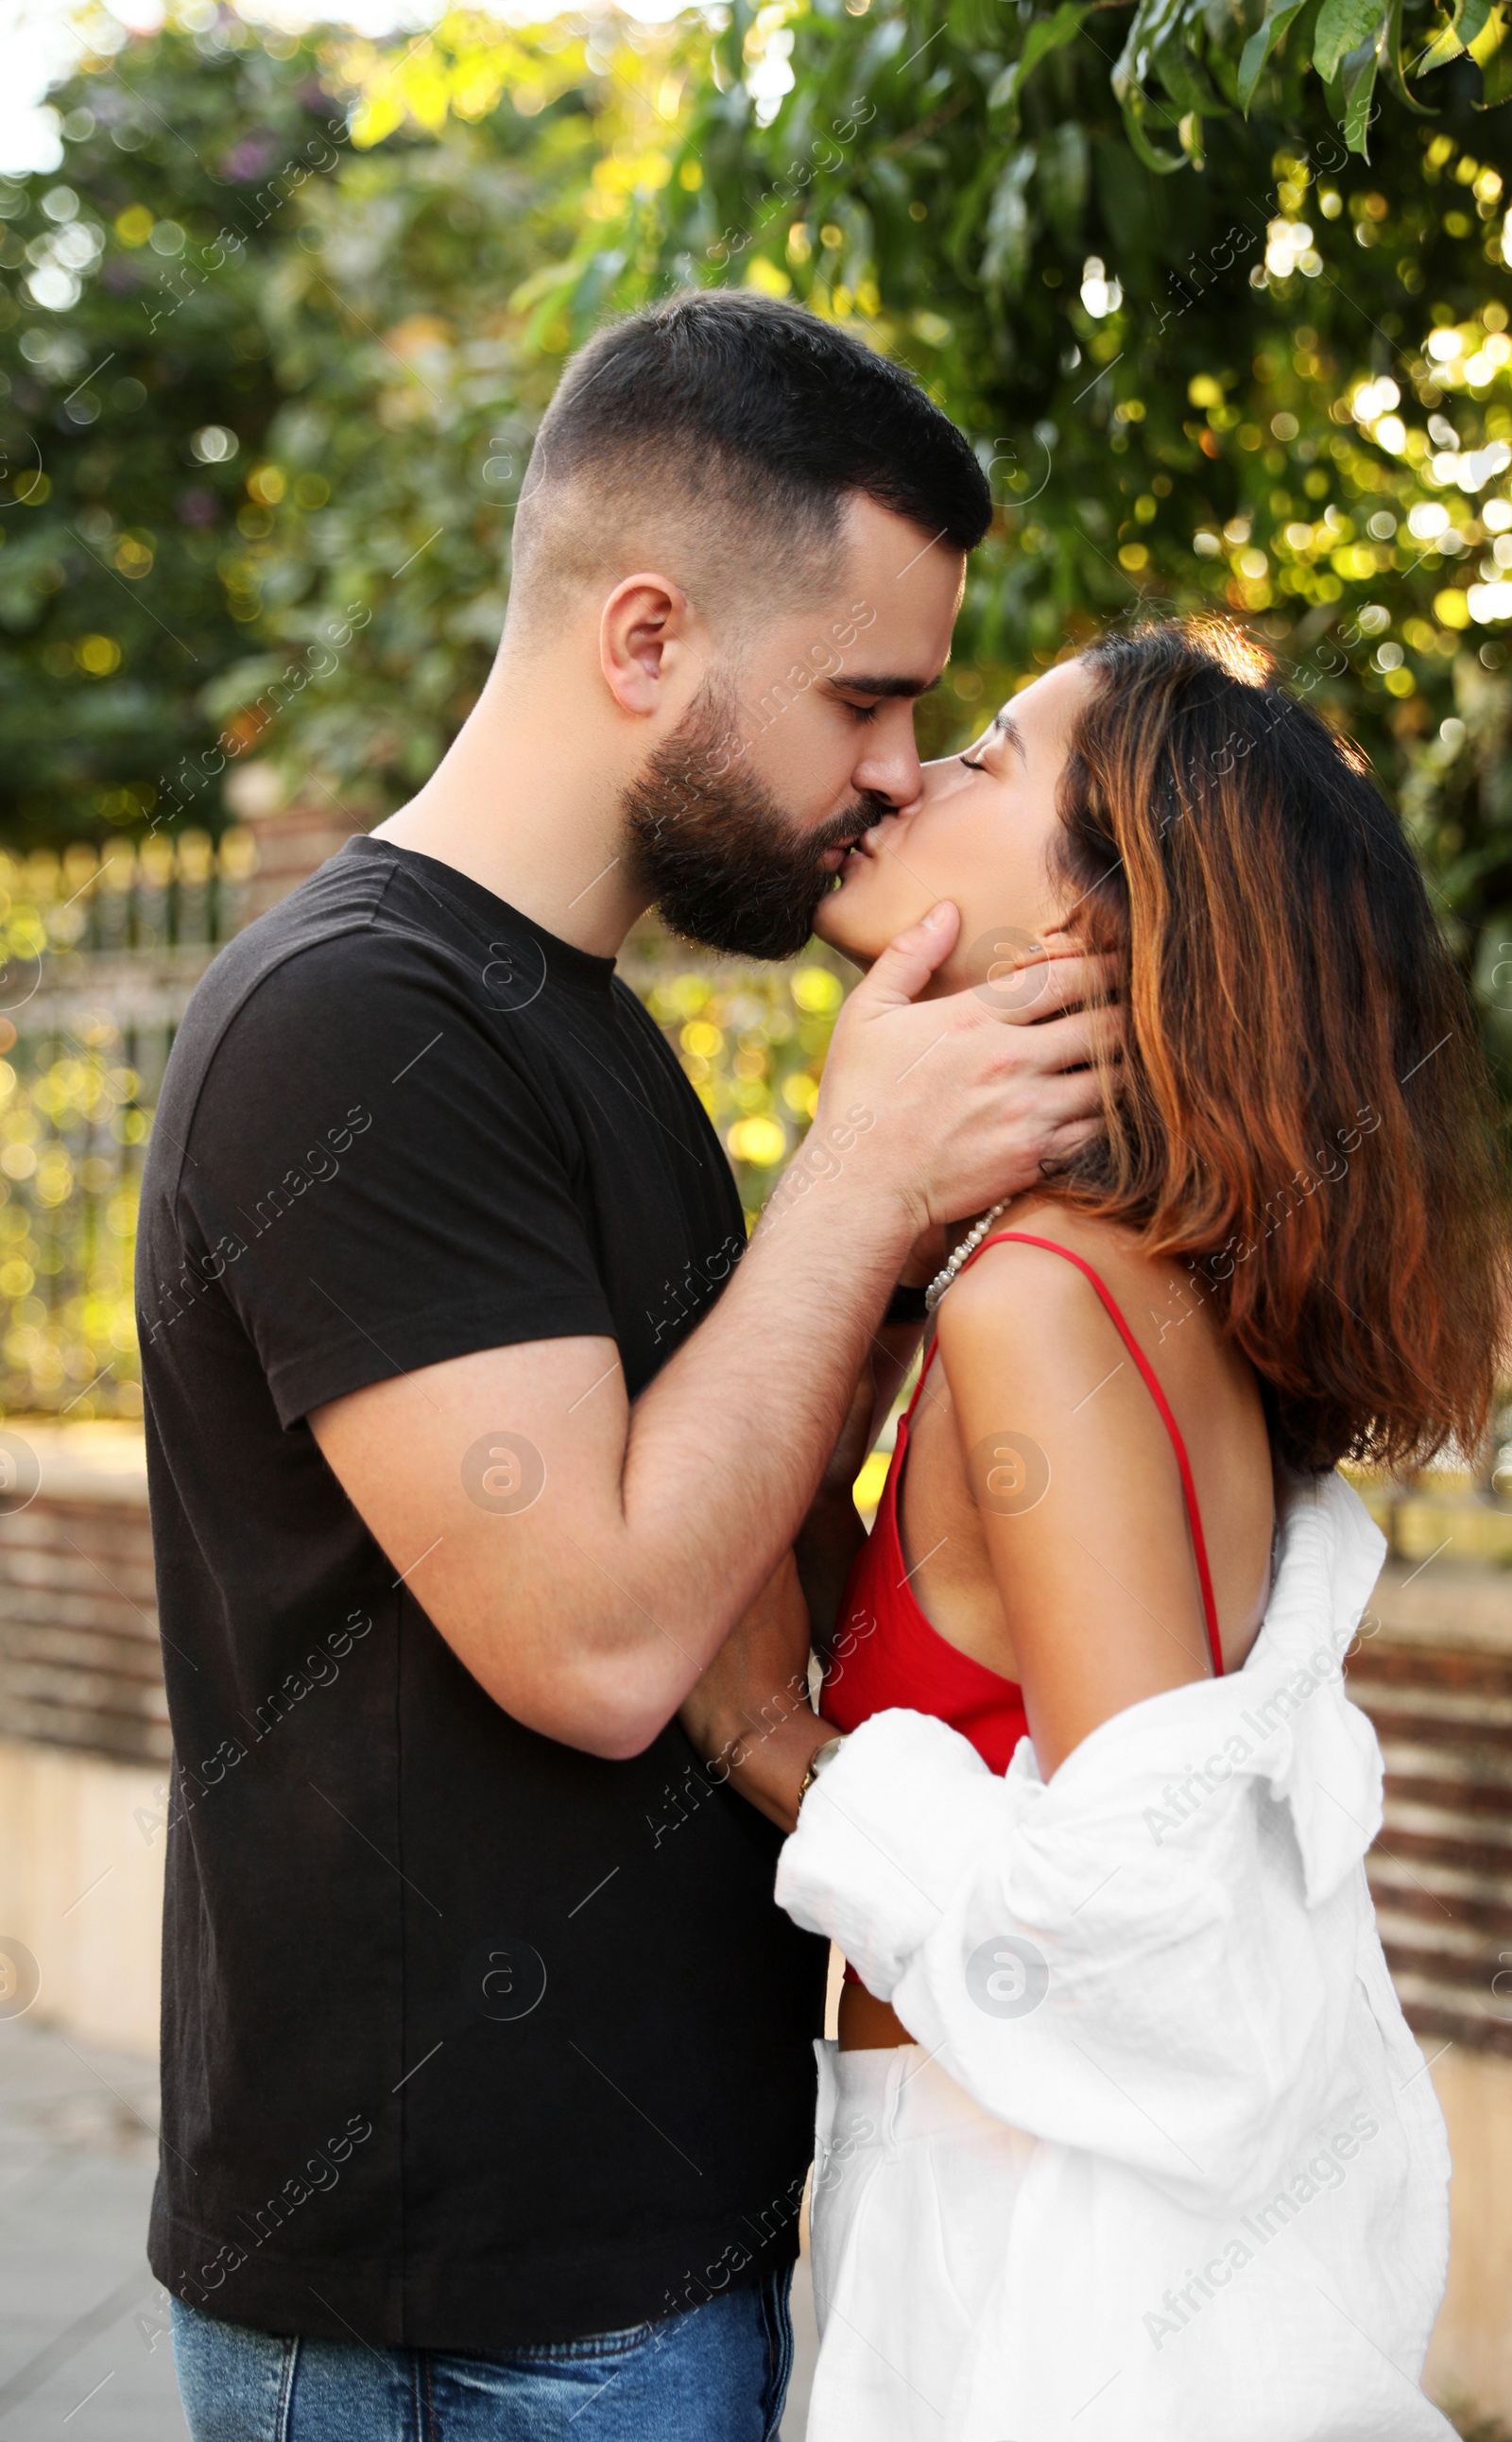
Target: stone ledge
[1446, 1606]
[101, 1462]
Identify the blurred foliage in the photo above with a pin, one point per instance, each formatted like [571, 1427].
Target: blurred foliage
[754, 1044]
[136, 387]
[269, 371]
[411, 395]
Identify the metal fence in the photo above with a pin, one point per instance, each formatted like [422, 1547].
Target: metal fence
[102, 949]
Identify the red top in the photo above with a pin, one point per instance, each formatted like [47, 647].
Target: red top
[887, 1655]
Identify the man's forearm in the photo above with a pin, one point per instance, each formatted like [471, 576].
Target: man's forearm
[769, 1772]
[727, 1445]
[591, 1569]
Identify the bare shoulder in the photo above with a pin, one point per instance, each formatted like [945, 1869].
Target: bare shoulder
[1073, 1476]
[1023, 1323]
[1027, 1306]
[1027, 1343]
[1030, 1293]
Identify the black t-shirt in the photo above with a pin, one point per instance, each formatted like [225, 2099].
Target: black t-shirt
[470, 2040]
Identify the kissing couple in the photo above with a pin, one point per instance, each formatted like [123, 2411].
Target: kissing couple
[1156, 1128]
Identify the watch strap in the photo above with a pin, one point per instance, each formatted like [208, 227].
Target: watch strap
[819, 1762]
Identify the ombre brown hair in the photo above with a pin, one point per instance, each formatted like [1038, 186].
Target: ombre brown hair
[1303, 1110]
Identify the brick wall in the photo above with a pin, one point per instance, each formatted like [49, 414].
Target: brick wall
[1435, 1673]
[80, 1663]
[291, 843]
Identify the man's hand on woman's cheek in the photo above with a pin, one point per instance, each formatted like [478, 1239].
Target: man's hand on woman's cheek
[969, 1098]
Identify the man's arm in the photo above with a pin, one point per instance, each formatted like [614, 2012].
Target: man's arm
[831, 1533]
[751, 1719]
[585, 1561]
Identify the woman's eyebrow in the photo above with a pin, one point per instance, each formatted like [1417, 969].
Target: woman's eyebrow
[1006, 726]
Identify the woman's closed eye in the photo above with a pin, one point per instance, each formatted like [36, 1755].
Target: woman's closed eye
[995, 729]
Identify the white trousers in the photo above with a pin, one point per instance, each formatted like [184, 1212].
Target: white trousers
[914, 2191]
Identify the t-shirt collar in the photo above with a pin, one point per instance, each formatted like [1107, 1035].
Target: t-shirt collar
[566, 963]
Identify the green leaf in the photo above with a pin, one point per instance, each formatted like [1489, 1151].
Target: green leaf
[1356, 77]
[1260, 46]
[1463, 28]
[1046, 34]
[1005, 256]
[1344, 26]
[965, 224]
[1153, 21]
[975, 22]
[1492, 53]
[1190, 131]
[550, 281]
[1148, 21]
[1181, 76]
[1064, 161]
[1397, 66]
[1445, 47]
[1135, 109]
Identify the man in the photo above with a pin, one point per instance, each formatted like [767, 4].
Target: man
[473, 1432]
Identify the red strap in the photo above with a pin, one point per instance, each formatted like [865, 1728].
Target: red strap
[1022, 1238]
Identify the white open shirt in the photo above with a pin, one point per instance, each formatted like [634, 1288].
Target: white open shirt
[1233, 2226]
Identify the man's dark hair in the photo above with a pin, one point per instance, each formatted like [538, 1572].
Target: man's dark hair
[748, 422]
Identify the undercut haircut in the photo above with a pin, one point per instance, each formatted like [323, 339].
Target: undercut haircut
[731, 430]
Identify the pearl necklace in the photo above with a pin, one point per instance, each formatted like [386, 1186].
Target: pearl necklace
[963, 1254]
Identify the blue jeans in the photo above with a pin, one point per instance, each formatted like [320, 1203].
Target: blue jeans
[716, 2373]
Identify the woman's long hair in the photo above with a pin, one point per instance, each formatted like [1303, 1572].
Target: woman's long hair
[1302, 1111]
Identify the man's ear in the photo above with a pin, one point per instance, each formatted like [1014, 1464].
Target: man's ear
[644, 642]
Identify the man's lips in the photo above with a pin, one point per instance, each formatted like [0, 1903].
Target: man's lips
[862, 842]
[835, 859]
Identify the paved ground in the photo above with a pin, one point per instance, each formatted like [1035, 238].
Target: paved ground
[84, 2351]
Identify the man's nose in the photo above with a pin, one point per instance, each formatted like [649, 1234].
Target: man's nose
[889, 765]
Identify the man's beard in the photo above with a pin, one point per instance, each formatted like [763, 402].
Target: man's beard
[710, 843]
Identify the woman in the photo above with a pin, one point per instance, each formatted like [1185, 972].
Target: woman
[1124, 2135]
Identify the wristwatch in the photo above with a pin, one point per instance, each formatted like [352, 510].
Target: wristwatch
[819, 1762]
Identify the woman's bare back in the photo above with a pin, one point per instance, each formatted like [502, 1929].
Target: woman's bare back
[1087, 1594]
[1213, 1394]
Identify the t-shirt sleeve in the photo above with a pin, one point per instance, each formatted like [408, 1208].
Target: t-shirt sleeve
[376, 1176]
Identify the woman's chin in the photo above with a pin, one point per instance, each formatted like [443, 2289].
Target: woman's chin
[840, 927]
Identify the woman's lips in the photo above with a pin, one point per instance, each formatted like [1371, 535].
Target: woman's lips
[837, 859]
